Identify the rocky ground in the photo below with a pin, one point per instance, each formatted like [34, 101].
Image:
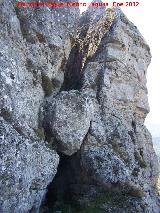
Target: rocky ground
[73, 101]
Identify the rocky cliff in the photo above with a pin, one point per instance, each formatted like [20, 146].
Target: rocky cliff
[73, 101]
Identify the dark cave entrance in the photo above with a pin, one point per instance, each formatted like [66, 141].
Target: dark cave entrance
[61, 191]
[58, 189]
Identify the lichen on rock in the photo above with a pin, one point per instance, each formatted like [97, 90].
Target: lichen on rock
[74, 85]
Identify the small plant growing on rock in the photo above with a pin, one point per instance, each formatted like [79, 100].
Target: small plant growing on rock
[140, 160]
[109, 9]
[55, 83]
[142, 163]
[136, 192]
[40, 133]
[47, 85]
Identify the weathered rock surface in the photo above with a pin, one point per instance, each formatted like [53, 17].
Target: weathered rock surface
[112, 74]
[26, 169]
[117, 153]
[75, 85]
[35, 44]
[68, 120]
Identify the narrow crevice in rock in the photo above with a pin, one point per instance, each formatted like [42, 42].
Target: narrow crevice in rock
[72, 76]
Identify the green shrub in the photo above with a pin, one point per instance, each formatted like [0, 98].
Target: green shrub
[109, 10]
[56, 83]
[47, 85]
[40, 133]
[136, 192]
[140, 160]
[142, 163]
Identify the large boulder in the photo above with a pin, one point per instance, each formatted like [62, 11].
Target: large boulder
[68, 120]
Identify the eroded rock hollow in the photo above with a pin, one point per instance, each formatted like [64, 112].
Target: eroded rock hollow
[73, 101]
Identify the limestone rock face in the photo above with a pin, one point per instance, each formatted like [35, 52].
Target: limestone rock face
[35, 46]
[26, 169]
[32, 63]
[119, 154]
[75, 85]
[112, 75]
